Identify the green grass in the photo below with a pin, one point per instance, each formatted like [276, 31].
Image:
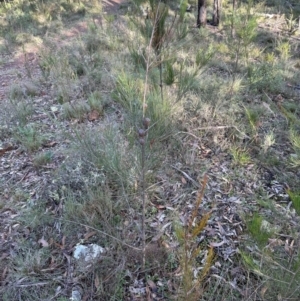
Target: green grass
[75, 111]
[42, 159]
[295, 140]
[29, 137]
[260, 229]
[271, 265]
[240, 156]
[295, 198]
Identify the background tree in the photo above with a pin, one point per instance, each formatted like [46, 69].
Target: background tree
[234, 4]
[201, 17]
[217, 12]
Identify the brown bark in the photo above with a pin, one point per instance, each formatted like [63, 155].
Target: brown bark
[201, 18]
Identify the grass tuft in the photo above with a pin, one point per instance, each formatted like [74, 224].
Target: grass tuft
[295, 198]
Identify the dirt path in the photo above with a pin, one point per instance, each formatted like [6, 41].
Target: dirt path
[112, 6]
[18, 66]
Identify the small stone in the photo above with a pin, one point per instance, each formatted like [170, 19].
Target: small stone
[76, 296]
[54, 109]
[87, 253]
[86, 256]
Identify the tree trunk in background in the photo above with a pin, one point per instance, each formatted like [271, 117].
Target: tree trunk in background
[217, 12]
[201, 18]
[234, 5]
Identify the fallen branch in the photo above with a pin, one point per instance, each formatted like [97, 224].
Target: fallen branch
[221, 127]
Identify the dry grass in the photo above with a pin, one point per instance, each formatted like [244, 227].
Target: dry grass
[71, 161]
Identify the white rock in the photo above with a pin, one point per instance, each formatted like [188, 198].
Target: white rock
[76, 296]
[54, 109]
[88, 252]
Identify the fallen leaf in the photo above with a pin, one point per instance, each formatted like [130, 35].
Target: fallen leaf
[221, 229]
[4, 273]
[161, 232]
[97, 281]
[63, 241]
[152, 285]
[267, 106]
[7, 149]
[50, 144]
[274, 242]
[263, 291]
[93, 115]
[14, 215]
[160, 207]
[148, 293]
[90, 234]
[278, 98]
[217, 244]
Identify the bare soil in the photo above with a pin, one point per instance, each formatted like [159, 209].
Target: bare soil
[15, 66]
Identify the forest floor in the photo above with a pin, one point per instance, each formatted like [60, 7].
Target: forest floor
[56, 192]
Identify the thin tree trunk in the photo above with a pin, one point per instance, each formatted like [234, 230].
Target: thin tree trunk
[160, 67]
[201, 18]
[217, 12]
[234, 5]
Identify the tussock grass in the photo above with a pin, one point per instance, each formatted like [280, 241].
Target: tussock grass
[75, 110]
[110, 153]
[42, 159]
[295, 198]
[30, 138]
[278, 272]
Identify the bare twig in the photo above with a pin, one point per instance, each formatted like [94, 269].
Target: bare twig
[188, 177]
[144, 205]
[32, 284]
[214, 128]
